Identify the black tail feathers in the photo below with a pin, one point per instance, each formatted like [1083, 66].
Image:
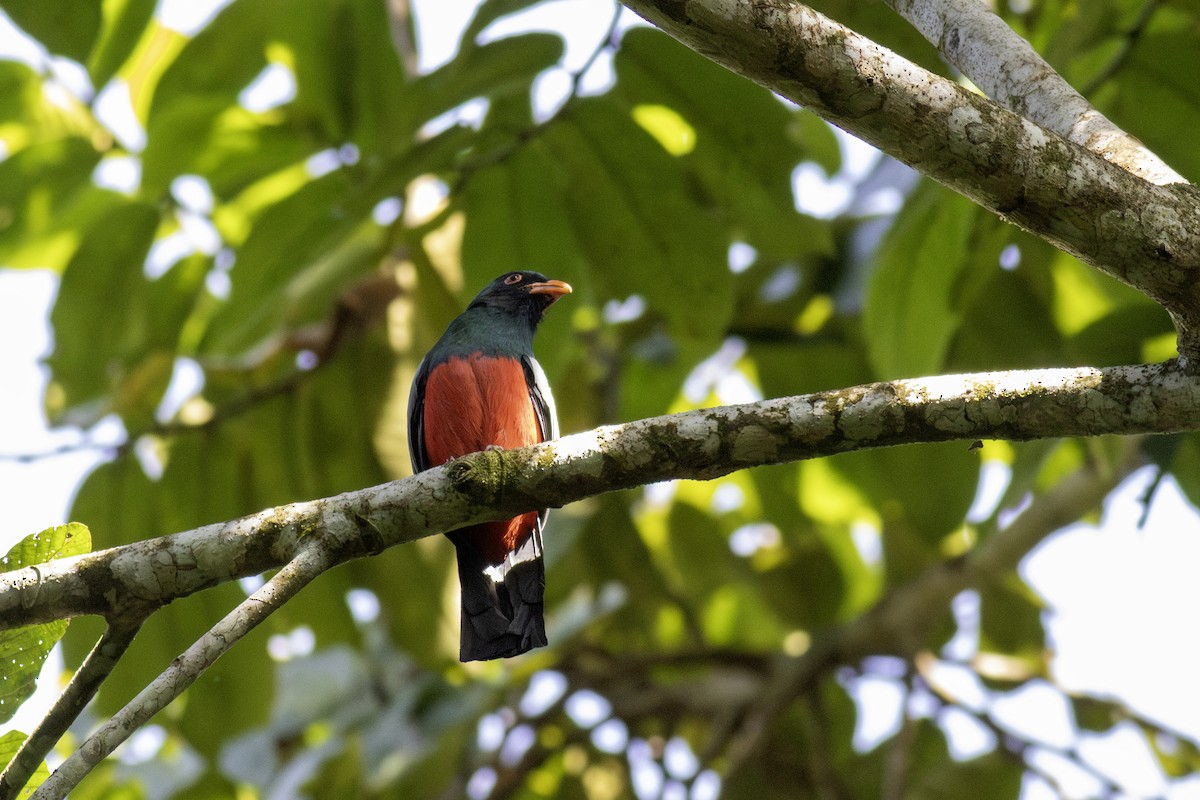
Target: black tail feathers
[501, 604]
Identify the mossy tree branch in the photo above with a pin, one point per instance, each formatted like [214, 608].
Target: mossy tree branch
[128, 581]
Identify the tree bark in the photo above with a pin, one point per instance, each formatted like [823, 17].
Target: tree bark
[131, 580]
[1008, 70]
[1141, 233]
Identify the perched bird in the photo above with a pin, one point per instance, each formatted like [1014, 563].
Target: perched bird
[480, 387]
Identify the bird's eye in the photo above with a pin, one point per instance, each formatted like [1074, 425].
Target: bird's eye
[514, 278]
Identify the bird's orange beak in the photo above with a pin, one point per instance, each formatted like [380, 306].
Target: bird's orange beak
[555, 289]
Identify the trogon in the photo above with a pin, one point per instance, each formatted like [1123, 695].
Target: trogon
[481, 387]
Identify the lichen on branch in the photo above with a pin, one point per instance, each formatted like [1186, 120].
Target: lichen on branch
[701, 444]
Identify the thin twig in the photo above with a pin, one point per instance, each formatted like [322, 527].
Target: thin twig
[607, 41]
[1146, 500]
[794, 677]
[184, 670]
[898, 761]
[400, 21]
[822, 765]
[356, 309]
[70, 704]
[527, 134]
[1120, 711]
[1012, 743]
[61, 450]
[234, 407]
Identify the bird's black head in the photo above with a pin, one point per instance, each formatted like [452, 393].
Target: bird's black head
[524, 294]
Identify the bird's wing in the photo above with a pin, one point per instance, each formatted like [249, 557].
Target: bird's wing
[547, 415]
[416, 418]
[543, 400]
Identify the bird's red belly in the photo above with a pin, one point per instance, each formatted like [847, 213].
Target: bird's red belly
[473, 403]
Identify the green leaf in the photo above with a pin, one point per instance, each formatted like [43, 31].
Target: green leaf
[516, 219]
[61, 541]
[33, 112]
[820, 142]
[20, 85]
[728, 591]
[249, 156]
[200, 85]
[610, 548]
[809, 587]
[1119, 336]
[350, 85]
[1178, 756]
[622, 186]
[1007, 322]
[1011, 622]
[811, 365]
[910, 316]
[930, 486]
[376, 103]
[819, 557]
[495, 70]
[67, 29]
[124, 23]
[313, 243]
[142, 332]
[1080, 45]
[921, 495]
[655, 367]
[654, 68]
[350, 88]
[992, 776]
[1157, 95]
[24, 650]
[121, 358]
[696, 553]
[118, 501]
[46, 199]
[1094, 714]
[744, 160]
[486, 14]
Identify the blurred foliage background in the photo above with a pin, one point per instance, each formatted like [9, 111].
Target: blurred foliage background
[262, 223]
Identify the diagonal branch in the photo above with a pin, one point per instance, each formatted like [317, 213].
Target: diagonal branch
[184, 670]
[1008, 70]
[1141, 233]
[704, 444]
[1013, 743]
[87, 679]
